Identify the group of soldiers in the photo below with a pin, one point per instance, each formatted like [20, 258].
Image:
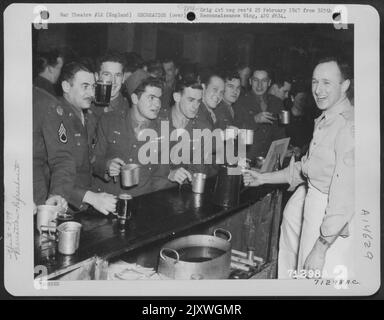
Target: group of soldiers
[80, 146]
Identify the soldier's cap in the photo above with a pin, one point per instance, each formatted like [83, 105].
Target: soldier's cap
[135, 80]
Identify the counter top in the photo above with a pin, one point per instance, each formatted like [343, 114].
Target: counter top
[156, 216]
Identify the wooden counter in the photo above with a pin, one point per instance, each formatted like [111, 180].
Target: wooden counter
[162, 216]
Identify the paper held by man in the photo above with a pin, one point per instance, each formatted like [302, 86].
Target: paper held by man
[191, 142]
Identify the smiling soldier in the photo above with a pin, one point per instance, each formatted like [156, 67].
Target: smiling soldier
[119, 142]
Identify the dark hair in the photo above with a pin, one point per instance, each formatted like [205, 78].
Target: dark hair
[229, 75]
[110, 56]
[262, 68]
[133, 61]
[168, 60]
[148, 82]
[188, 83]
[280, 78]
[47, 58]
[345, 69]
[70, 69]
[155, 66]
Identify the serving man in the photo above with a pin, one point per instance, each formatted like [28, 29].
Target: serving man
[183, 115]
[118, 142]
[78, 84]
[111, 68]
[316, 232]
[255, 110]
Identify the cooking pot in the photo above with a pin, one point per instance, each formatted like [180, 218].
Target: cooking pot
[227, 188]
[197, 257]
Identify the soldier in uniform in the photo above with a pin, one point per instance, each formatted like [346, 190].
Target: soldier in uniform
[110, 67]
[224, 111]
[183, 115]
[119, 143]
[213, 86]
[317, 228]
[53, 165]
[78, 83]
[256, 110]
[48, 67]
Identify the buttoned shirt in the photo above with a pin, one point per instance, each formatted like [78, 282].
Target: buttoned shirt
[54, 169]
[224, 115]
[82, 130]
[192, 124]
[118, 104]
[329, 166]
[116, 138]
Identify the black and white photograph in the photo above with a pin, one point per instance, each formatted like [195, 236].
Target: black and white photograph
[226, 145]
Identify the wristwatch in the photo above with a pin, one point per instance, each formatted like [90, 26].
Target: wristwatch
[324, 242]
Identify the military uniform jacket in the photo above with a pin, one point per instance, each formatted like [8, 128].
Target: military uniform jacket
[83, 138]
[119, 104]
[196, 123]
[224, 116]
[116, 139]
[53, 166]
[246, 108]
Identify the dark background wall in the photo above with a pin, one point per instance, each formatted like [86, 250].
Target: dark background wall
[292, 47]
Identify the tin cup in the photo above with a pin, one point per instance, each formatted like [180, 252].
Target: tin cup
[260, 162]
[198, 182]
[47, 215]
[130, 175]
[103, 92]
[68, 237]
[284, 117]
[246, 136]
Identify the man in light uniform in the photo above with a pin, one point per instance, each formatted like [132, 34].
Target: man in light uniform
[317, 228]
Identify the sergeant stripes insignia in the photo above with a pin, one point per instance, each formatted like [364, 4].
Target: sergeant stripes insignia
[62, 134]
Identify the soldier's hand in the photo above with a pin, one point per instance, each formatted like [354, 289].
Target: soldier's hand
[252, 178]
[102, 202]
[179, 175]
[56, 200]
[264, 117]
[113, 166]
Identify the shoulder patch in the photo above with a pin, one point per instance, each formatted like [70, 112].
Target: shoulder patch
[59, 110]
[62, 132]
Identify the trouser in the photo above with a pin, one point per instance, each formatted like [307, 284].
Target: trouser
[299, 231]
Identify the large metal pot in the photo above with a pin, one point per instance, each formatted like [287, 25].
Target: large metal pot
[197, 257]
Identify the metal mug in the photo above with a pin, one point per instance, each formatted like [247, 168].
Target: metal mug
[68, 237]
[198, 182]
[130, 175]
[103, 92]
[284, 117]
[246, 136]
[47, 215]
[260, 162]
